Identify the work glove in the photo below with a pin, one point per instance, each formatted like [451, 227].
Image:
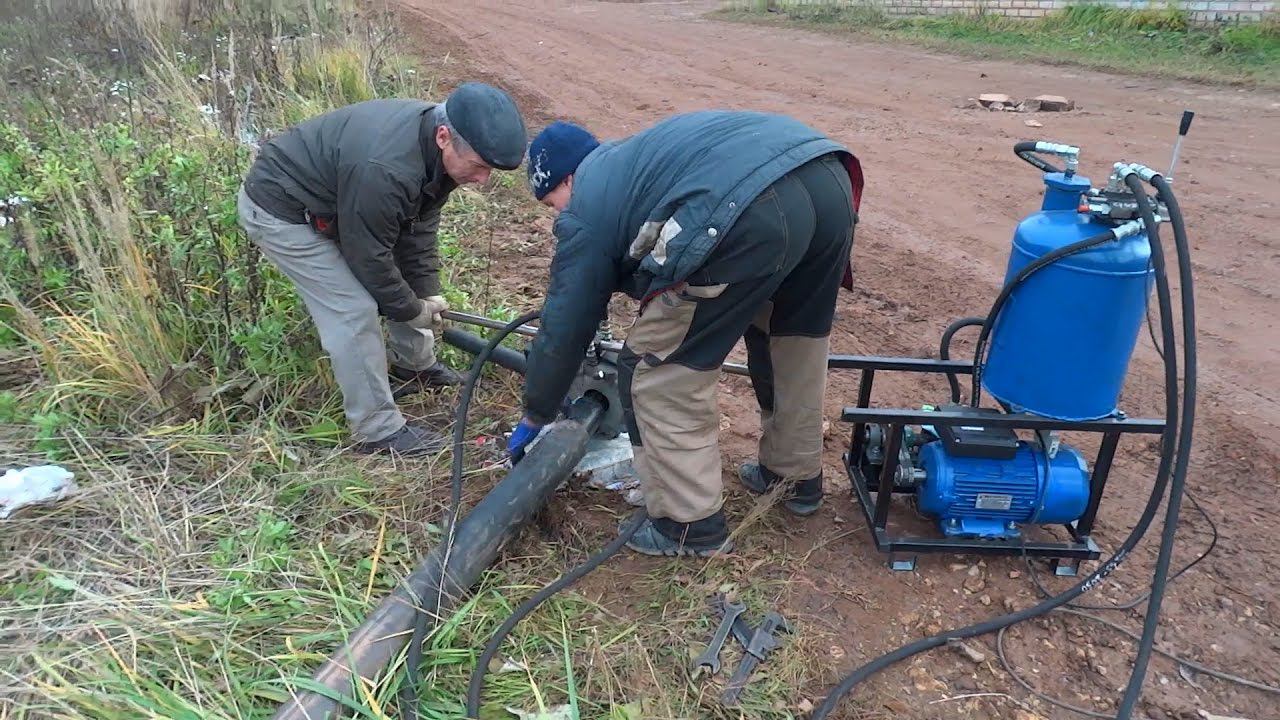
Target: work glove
[429, 315]
[523, 434]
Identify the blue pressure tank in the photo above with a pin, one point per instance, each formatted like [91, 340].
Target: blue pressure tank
[984, 497]
[1062, 343]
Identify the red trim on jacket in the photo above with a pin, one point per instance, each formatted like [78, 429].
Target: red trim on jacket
[854, 168]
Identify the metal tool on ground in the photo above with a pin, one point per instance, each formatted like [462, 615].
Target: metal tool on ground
[759, 646]
[709, 660]
[743, 632]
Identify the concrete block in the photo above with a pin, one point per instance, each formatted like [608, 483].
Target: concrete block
[1054, 103]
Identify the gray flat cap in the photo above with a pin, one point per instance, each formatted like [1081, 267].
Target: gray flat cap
[489, 121]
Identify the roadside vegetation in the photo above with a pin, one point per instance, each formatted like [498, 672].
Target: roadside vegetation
[1154, 41]
[222, 543]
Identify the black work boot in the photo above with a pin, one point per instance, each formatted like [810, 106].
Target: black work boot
[664, 537]
[803, 499]
[438, 375]
[409, 441]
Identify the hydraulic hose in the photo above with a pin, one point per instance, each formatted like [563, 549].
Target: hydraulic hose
[1178, 483]
[1027, 151]
[413, 659]
[944, 350]
[1005, 292]
[476, 686]
[1169, 447]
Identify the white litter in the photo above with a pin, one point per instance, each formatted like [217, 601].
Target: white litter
[9, 209]
[510, 666]
[34, 485]
[607, 465]
[562, 712]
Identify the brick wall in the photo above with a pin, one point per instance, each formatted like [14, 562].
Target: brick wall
[1201, 11]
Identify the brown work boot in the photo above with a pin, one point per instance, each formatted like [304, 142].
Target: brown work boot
[436, 376]
[409, 441]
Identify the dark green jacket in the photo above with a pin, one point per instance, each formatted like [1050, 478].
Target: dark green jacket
[371, 173]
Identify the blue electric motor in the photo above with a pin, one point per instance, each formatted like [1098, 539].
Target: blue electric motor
[1060, 348]
[1062, 343]
[985, 497]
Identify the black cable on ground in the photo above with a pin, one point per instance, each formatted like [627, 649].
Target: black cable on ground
[1177, 485]
[476, 686]
[1027, 271]
[1135, 602]
[1074, 608]
[944, 350]
[413, 658]
[1168, 447]
[1211, 672]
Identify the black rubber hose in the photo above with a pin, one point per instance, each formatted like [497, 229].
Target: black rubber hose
[1027, 151]
[1168, 446]
[413, 659]
[476, 686]
[1178, 483]
[1136, 601]
[512, 360]
[1005, 292]
[944, 350]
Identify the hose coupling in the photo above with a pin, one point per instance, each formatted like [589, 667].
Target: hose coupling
[1129, 229]
[1069, 153]
[1147, 174]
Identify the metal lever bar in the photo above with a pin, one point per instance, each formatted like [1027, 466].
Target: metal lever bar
[482, 321]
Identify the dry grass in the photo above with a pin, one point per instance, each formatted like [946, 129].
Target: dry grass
[219, 550]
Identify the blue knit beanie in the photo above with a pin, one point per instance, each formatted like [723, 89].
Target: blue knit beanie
[555, 153]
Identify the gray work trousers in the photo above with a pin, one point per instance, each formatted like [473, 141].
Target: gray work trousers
[346, 318]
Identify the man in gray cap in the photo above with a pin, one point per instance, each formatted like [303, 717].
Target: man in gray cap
[347, 205]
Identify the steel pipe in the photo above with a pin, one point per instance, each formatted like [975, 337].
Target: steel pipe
[484, 322]
[440, 580]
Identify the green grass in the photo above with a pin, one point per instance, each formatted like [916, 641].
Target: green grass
[1158, 42]
[221, 546]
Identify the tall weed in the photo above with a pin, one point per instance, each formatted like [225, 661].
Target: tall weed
[123, 265]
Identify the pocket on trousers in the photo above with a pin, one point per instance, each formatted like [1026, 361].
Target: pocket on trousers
[663, 325]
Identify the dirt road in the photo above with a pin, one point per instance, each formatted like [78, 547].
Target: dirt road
[942, 183]
[943, 195]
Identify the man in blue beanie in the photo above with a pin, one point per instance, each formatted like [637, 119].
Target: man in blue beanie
[724, 225]
[347, 205]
